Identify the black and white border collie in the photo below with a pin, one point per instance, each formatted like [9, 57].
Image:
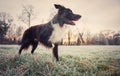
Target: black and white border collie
[49, 34]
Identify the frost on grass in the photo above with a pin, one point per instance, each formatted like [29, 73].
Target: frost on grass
[84, 62]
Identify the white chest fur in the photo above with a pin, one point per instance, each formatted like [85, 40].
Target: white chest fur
[58, 32]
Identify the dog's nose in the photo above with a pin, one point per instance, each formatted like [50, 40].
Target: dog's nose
[79, 16]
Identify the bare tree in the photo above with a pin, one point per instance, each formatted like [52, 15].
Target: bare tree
[88, 37]
[69, 37]
[116, 39]
[19, 32]
[5, 22]
[27, 15]
[81, 38]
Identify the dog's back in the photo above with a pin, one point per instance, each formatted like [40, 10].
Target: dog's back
[30, 34]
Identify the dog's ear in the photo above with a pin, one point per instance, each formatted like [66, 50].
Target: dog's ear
[57, 6]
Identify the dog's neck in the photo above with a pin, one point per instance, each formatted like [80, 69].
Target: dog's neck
[56, 20]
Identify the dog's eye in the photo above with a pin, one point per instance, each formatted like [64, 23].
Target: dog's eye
[70, 11]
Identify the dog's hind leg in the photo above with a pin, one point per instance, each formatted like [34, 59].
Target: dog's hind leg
[55, 52]
[34, 46]
[23, 46]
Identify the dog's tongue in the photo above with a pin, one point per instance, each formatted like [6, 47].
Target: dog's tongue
[72, 22]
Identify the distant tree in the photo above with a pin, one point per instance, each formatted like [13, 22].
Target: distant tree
[110, 40]
[88, 37]
[14, 33]
[81, 38]
[27, 15]
[19, 32]
[11, 32]
[94, 39]
[101, 39]
[69, 37]
[78, 41]
[5, 22]
[116, 39]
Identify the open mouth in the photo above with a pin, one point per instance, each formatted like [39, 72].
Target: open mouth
[72, 22]
[72, 18]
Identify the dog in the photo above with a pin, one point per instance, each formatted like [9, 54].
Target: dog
[51, 33]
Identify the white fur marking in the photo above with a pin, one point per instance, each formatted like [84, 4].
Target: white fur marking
[58, 32]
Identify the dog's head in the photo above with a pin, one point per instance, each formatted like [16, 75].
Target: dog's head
[66, 16]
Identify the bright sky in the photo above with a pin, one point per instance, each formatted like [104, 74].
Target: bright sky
[96, 14]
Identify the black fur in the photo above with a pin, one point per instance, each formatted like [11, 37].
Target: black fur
[41, 33]
[55, 52]
[35, 34]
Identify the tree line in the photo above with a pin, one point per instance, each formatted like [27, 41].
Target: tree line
[105, 37]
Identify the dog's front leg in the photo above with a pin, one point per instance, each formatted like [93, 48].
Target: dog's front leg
[55, 51]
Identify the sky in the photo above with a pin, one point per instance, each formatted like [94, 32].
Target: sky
[96, 15]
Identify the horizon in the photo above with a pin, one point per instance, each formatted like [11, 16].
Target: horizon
[97, 15]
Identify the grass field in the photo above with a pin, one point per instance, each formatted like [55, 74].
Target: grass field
[74, 61]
